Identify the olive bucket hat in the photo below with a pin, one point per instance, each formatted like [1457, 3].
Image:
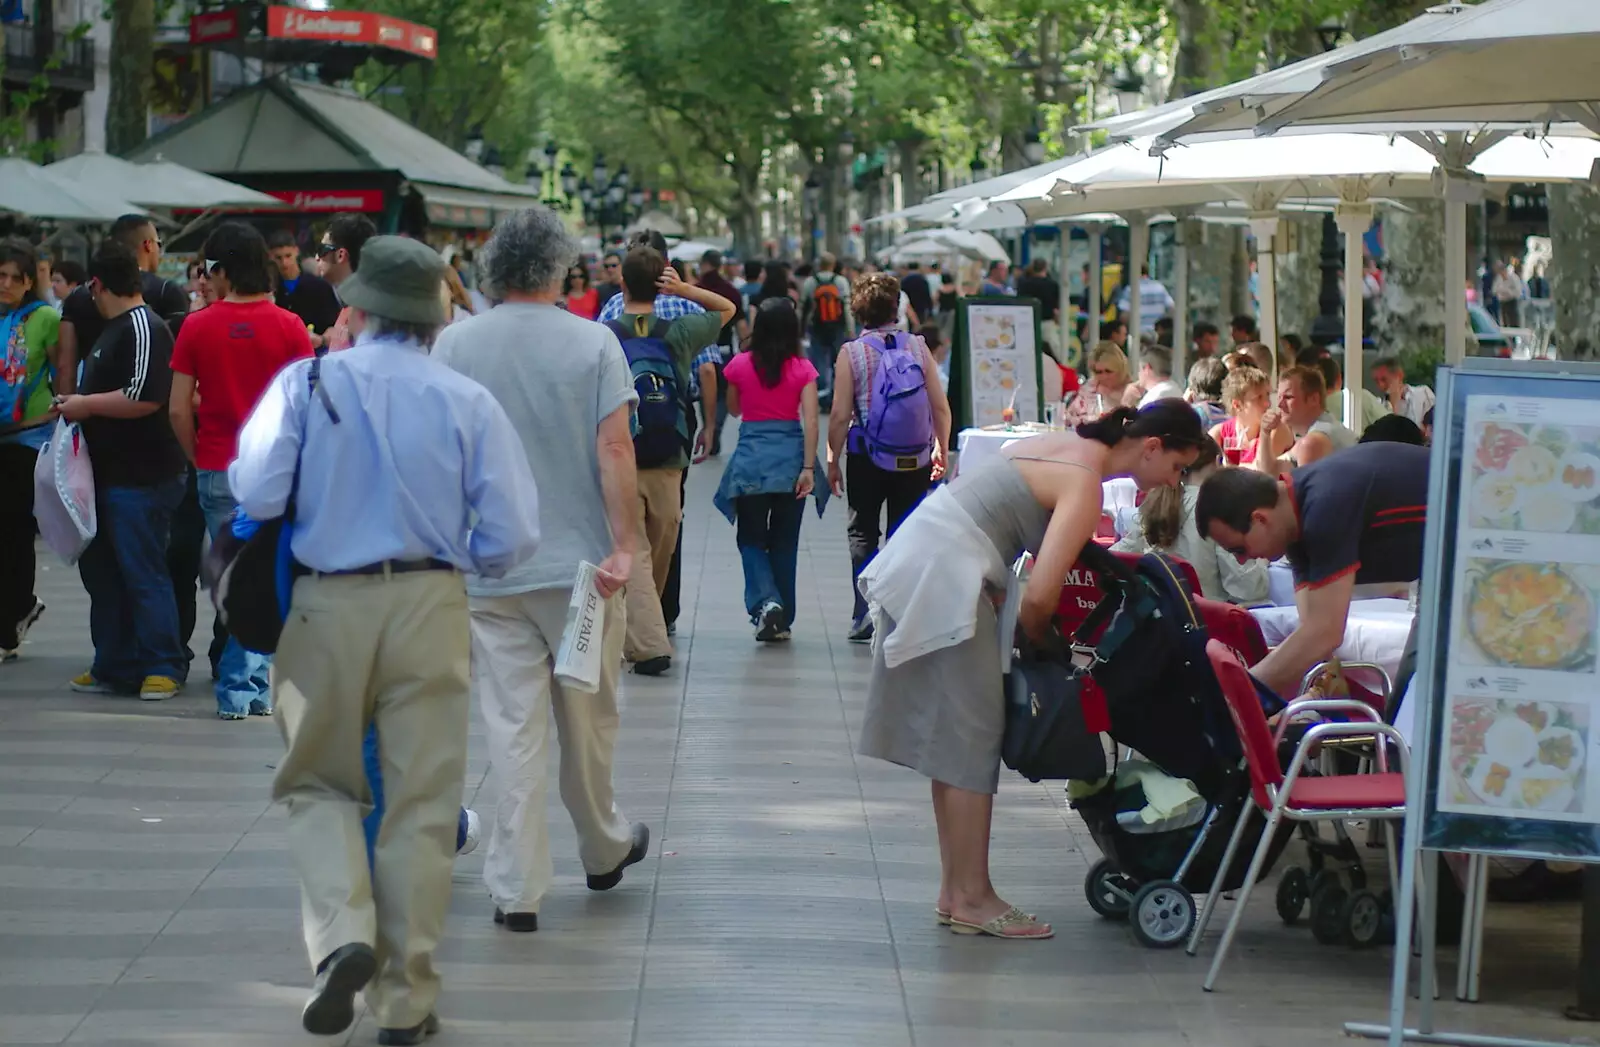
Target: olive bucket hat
[399, 279]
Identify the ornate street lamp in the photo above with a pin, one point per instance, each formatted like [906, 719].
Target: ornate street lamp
[1033, 146]
[1328, 327]
[569, 179]
[1129, 90]
[636, 197]
[551, 153]
[979, 169]
[474, 144]
[599, 170]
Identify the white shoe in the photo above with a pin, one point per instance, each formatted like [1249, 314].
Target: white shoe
[474, 832]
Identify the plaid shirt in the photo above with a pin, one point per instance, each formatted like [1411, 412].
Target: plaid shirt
[671, 307]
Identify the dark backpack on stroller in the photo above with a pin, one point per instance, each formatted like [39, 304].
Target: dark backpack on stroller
[1160, 694]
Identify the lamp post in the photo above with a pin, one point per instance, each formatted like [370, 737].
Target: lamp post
[1033, 145]
[811, 194]
[474, 145]
[1129, 89]
[1328, 327]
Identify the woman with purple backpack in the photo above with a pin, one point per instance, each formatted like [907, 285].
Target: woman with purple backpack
[886, 448]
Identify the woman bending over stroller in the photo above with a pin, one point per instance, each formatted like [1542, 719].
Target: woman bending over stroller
[935, 702]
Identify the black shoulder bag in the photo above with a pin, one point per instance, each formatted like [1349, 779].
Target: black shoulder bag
[246, 573]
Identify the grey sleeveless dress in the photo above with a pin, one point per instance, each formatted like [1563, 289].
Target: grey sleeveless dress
[943, 714]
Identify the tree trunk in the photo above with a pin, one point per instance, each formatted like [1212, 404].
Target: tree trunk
[1211, 275]
[1411, 311]
[1193, 68]
[133, 26]
[1300, 277]
[1575, 270]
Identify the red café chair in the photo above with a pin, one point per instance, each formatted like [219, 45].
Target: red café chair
[1280, 794]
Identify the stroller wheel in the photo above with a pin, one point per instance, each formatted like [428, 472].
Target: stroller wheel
[1163, 914]
[1327, 913]
[1362, 915]
[1294, 889]
[1110, 893]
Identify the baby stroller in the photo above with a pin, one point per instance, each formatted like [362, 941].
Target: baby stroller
[1163, 702]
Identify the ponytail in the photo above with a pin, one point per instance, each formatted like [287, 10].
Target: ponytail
[1172, 421]
[1161, 517]
[1110, 428]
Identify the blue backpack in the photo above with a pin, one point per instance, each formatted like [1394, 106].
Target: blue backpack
[15, 387]
[897, 432]
[662, 418]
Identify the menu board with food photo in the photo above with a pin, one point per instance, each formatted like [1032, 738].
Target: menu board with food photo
[1520, 681]
[1003, 364]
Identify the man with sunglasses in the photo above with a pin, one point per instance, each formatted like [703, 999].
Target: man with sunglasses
[338, 256]
[81, 322]
[611, 272]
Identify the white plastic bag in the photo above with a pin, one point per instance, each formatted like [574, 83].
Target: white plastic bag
[63, 492]
[578, 660]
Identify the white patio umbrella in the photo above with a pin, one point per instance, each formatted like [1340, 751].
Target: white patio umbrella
[1354, 168]
[691, 250]
[924, 244]
[159, 183]
[28, 189]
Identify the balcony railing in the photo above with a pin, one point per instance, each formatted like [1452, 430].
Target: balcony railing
[26, 59]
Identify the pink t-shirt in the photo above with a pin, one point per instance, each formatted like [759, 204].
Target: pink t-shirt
[779, 404]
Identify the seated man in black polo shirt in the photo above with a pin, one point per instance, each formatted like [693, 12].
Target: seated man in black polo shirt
[1355, 517]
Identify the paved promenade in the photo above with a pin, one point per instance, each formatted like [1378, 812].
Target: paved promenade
[146, 896]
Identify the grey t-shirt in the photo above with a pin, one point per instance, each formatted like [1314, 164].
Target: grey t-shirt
[557, 376]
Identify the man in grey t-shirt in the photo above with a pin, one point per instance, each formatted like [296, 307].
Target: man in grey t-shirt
[565, 385]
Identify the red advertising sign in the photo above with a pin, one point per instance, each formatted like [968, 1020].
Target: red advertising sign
[214, 27]
[308, 201]
[352, 27]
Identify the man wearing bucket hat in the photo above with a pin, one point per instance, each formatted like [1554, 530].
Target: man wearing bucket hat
[377, 628]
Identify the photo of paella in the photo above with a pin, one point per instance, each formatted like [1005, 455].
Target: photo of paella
[1535, 477]
[1527, 616]
[1520, 755]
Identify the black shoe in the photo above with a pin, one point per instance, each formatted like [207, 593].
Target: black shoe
[861, 630]
[521, 922]
[345, 972]
[416, 1034]
[770, 622]
[641, 847]
[653, 666]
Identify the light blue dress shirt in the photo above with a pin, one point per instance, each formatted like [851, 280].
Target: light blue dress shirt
[422, 463]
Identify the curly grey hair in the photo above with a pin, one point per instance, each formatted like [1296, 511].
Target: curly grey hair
[530, 251]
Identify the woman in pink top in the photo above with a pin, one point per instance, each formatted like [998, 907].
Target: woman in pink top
[773, 388]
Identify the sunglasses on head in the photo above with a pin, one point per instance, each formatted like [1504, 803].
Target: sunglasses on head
[323, 250]
[210, 266]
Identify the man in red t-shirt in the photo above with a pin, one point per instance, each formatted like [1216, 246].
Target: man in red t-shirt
[229, 353]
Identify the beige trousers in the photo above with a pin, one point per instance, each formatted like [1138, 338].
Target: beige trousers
[357, 650]
[514, 641]
[658, 519]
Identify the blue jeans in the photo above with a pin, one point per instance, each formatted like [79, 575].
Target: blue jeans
[241, 675]
[133, 616]
[769, 547]
[370, 824]
[823, 352]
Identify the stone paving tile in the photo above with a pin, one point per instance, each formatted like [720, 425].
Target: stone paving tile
[147, 900]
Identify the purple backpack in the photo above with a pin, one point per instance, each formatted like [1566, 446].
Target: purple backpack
[896, 430]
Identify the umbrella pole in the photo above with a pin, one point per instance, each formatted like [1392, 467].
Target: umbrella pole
[1138, 258]
[1264, 227]
[1180, 322]
[1455, 269]
[1353, 220]
[1092, 292]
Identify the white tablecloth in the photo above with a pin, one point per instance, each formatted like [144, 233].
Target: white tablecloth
[1375, 632]
[976, 446]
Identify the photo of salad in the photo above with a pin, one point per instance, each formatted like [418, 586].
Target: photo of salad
[1517, 755]
[1535, 477]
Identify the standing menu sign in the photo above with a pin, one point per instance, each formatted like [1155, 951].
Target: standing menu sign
[1508, 677]
[997, 362]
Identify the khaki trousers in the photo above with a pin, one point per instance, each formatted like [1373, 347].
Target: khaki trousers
[514, 642]
[391, 650]
[658, 519]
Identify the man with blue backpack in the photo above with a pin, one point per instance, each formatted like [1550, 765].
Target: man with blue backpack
[888, 445]
[660, 353]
